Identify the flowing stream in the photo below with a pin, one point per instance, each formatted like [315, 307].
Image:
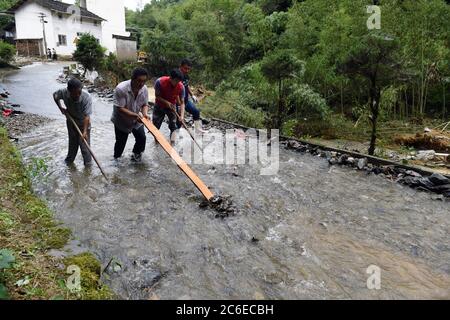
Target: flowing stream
[309, 232]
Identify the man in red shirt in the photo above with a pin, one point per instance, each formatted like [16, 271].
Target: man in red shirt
[169, 93]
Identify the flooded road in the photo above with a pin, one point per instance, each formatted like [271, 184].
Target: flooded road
[309, 232]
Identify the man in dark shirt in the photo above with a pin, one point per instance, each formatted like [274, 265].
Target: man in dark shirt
[189, 98]
[78, 104]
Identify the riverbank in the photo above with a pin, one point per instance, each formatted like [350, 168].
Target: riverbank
[29, 232]
[340, 133]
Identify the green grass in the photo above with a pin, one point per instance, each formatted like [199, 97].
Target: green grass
[28, 231]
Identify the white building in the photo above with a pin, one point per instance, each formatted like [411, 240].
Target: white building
[57, 24]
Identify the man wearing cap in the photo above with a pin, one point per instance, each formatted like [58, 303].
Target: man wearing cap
[78, 105]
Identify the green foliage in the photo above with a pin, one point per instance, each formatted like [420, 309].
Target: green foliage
[37, 168]
[7, 52]
[89, 52]
[280, 65]
[121, 70]
[6, 259]
[6, 19]
[302, 59]
[307, 102]
[91, 288]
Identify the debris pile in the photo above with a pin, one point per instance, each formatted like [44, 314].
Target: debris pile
[222, 204]
[94, 83]
[438, 141]
[16, 121]
[436, 183]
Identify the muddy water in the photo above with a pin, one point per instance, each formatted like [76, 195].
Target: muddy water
[309, 232]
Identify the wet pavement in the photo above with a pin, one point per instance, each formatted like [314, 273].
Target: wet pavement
[309, 232]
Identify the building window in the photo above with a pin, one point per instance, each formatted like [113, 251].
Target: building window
[62, 40]
[81, 20]
[60, 16]
[95, 23]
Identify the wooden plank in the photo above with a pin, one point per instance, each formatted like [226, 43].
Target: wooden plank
[201, 186]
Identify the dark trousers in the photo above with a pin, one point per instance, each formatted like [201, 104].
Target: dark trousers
[75, 143]
[158, 117]
[122, 137]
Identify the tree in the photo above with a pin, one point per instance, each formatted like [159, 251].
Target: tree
[373, 60]
[278, 67]
[89, 52]
[5, 5]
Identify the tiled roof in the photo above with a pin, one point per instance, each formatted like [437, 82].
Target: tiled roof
[58, 6]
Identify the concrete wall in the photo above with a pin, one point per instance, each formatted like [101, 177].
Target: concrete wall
[114, 12]
[71, 27]
[28, 26]
[126, 50]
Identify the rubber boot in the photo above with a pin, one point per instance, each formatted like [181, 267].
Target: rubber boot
[198, 125]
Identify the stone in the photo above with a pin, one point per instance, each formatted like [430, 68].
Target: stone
[343, 159]
[362, 163]
[438, 179]
[292, 144]
[413, 174]
[333, 161]
[426, 155]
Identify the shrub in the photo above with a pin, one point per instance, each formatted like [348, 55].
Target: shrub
[89, 52]
[7, 52]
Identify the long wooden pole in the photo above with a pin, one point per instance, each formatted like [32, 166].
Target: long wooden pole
[185, 126]
[87, 145]
[201, 186]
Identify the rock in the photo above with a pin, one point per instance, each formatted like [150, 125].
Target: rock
[343, 159]
[438, 179]
[303, 251]
[426, 155]
[222, 204]
[377, 170]
[333, 161]
[255, 240]
[439, 197]
[323, 224]
[413, 174]
[442, 189]
[292, 144]
[362, 163]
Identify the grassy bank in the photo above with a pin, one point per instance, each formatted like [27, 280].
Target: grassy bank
[27, 232]
[335, 130]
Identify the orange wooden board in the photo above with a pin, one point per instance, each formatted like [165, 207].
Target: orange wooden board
[201, 186]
